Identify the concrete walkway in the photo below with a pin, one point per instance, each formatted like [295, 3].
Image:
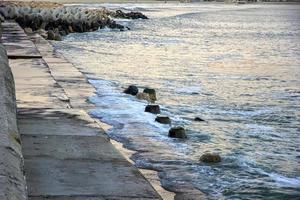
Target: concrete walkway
[67, 154]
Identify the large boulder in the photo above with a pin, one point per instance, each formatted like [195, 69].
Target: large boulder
[151, 92]
[163, 119]
[177, 132]
[152, 108]
[132, 90]
[210, 158]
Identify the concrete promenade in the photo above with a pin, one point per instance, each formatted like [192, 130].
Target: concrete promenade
[67, 155]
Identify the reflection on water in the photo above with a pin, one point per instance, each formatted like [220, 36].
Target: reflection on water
[235, 66]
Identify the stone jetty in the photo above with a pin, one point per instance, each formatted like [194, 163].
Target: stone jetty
[53, 20]
[50, 147]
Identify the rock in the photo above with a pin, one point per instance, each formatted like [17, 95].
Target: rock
[114, 25]
[136, 15]
[95, 25]
[78, 27]
[143, 96]
[57, 37]
[28, 30]
[132, 90]
[70, 29]
[51, 35]
[152, 108]
[42, 33]
[210, 158]
[198, 119]
[62, 33]
[163, 119]
[1, 18]
[36, 21]
[131, 15]
[177, 132]
[151, 92]
[120, 14]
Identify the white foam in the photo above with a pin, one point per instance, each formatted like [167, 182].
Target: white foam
[105, 29]
[285, 181]
[121, 108]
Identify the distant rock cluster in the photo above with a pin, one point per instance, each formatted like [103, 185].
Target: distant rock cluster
[53, 20]
[130, 15]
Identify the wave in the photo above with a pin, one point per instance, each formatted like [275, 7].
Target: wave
[285, 181]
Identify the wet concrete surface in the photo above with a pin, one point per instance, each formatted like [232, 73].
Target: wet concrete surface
[67, 154]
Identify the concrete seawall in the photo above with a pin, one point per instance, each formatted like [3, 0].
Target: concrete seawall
[12, 181]
[65, 154]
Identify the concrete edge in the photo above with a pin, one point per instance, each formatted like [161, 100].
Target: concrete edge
[12, 179]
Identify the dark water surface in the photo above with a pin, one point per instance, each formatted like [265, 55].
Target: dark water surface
[238, 67]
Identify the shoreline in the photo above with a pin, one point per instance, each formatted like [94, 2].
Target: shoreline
[150, 175]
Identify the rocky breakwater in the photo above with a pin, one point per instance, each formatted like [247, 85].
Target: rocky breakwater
[52, 20]
[12, 181]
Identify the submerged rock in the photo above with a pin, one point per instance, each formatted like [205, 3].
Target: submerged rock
[198, 119]
[152, 108]
[143, 96]
[151, 92]
[163, 119]
[132, 90]
[114, 25]
[210, 158]
[177, 132]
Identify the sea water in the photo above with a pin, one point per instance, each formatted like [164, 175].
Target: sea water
[235, 66]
